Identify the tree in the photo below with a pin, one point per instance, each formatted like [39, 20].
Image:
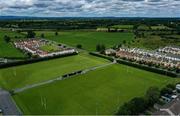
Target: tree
[103, 48]
[152, 96]
[135, 26]
[15, 37]
[29, 55]
[109, 29]
[124, 41]
[42, 35]
[98, 47]
[31, 34]
[172, 86]
[166, 90]
[18, 31]
[134, 107]
[79, 46]
[124, 110]
[120, 45]
[56, 33]
[138, 105]
[7, 39]
[116, 29]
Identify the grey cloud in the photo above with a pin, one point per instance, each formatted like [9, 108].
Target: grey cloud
[89, 7]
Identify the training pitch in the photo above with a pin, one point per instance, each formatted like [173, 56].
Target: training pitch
[16, 77]
[98, 92]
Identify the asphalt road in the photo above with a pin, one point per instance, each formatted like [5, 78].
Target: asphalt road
[7, 105]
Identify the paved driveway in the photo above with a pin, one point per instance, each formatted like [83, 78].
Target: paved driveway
[7, 104]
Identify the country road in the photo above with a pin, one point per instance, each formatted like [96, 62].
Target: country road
[18, 90]
[7, 105]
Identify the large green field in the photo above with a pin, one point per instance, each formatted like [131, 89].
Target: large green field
[7, 49]
[88, 40]
[123, 26]
[21, 76]
[160, 27]
[97, 92]
[153, 42]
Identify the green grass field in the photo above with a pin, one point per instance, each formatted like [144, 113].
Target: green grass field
[153, 42]
[123, 26]
[49, 48]
[88, 40]
[97, 92]
[21, 76]
[160, 27]
[143, 27]
[7, 49]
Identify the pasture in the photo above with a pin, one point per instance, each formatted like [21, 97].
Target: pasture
[88, 40]
[123, 26]
[153, 42]
[160, 27]
[98, 92]
[8, 49]
[20, 76]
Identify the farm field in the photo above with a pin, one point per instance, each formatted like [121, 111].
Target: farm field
[154, 42]
[123, 26]
[7, 49]
[16, 77]
[160, 27]
[88, 40]
[97, 92]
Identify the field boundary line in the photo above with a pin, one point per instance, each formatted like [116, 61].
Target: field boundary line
[19, 90]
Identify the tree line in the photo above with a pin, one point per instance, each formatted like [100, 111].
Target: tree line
[86, 23]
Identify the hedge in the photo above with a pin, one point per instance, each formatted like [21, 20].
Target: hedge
[147, 68]
[102, 56]
[16, 58]
[34, 60]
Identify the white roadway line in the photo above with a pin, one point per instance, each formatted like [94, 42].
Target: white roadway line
[18, 90]
[168, 111]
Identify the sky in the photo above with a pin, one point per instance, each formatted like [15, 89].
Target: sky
[90, 8]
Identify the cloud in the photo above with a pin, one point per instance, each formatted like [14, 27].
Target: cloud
[118, 8]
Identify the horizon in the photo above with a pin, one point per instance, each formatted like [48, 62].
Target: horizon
[26, 16]
[91, 8]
